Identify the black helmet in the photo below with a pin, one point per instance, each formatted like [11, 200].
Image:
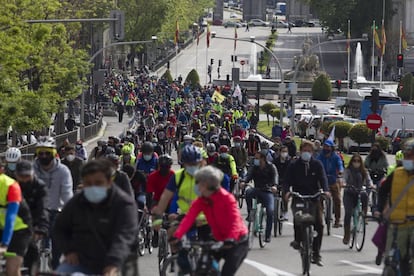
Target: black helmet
[165, 160]
[147, 147]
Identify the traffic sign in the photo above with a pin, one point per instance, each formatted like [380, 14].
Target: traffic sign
[373, 121]
[242, 62]
[227, 87]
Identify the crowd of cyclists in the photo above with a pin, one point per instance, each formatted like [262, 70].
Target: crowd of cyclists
[83, 207]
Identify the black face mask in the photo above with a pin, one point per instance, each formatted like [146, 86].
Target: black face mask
[45, 161]
[164, 170]
[25, 184]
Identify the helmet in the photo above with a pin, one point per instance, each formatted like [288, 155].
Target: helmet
[154, 140]
[191, 154]
[224, 148]
[408, 145]
[109, 151]
[147, 147]
[160, 126]
[46, 142]
[399, 155]
[13, 155]
[102, 143]
[188, 138]
[236, 138]
[211, 147]
[165, 160]
[214, 137]
[126, 150]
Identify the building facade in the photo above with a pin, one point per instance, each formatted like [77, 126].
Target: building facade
[254, 9]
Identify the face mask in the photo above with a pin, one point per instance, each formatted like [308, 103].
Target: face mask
[25, 184]
[191, 170]
[197, 190]
[44, 161]
[95, 194]
[237, 144]
[78, 146]
[147, 157]
[408, 165]
[164, 170]
[224, 155]
[154, 144]
[326, 151]
[256, 162]
[306, 156]
[11, 166]
[70, 157]
[356, 164]
[284, 154]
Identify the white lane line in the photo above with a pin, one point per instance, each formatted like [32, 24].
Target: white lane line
[267, 270]
[363, 269]
[337, 236]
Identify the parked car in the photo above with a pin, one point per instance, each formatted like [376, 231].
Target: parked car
[303, 23]
[217, 22]
[281, 24]
[232, 24]
[397, 138]
[352, 146]
[258, 22]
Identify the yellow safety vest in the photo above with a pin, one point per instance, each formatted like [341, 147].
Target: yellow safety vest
[5, 183]
[186, 193]
[405, 207]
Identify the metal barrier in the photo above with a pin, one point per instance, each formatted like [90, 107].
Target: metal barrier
[92, 130]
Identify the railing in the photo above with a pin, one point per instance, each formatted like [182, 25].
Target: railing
[92, 130]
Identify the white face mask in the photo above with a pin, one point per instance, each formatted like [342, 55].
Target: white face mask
[284, 154]
[408, 164]
[306, 156]
[70, 157]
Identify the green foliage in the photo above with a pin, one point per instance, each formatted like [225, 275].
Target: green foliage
[167, 76]
[265, 56]
[267, 108]
[407, 83]
[360, 133]
[325, 128]
[275, 113]
[383, 142]
[341, 128]
[193, 79]
[322, 88]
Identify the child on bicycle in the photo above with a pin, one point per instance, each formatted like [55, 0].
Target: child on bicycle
[355, 176]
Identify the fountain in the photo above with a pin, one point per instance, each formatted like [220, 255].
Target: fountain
[359, 65]
[253, 64]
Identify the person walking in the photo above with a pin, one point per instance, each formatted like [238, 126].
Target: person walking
[121, 111]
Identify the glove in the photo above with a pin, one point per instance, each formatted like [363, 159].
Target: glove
[234, 177]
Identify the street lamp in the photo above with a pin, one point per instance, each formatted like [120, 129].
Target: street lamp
[82, 115]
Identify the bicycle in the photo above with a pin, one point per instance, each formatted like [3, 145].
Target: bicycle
[327, 213]
[45, 257]
[144, 233]
[258, 213]
[305, 220]
[163, 246]
[278, 217]
[199, 256]
[358, 225]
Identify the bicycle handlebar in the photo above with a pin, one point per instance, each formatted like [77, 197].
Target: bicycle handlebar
[307, 197]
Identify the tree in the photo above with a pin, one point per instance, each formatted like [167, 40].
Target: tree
[322, 88]
[341, 131]
[383, 141]
[360, 133]
[405, 89]
[267, 108]
[193, 79]
[167, 76]
[275, 113]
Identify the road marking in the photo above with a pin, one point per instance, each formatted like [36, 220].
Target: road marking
[267, 270]
[363, 269]
[338, 236]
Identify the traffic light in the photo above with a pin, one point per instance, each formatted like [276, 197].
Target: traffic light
[212, 61]
[338, 84]
[400, 61]
[374, 100]
[168, 64]
[117, 26]
[219, 62]
[209, 69]
[351, 84]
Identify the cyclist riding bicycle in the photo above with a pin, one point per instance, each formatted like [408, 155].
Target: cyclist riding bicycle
[356, 176]
[306, 176]
[402, 216]
[225, 162]
[222, 214]
[266, 179]
[13, 156]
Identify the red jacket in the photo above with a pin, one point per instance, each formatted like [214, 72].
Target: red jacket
[222, 214]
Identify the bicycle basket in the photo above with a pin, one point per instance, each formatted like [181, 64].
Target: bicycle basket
[303, 218]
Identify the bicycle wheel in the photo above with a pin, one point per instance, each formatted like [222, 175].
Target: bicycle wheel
[328, 215]
[276, 218]
[251, 227]
[162, 248]
[360, 232]
[241, 198]
[280, 219]
[389, 271]
[262, 220]
[353, 233]
[306, 251]
[141, 242]
[148, 239]
[169, 266]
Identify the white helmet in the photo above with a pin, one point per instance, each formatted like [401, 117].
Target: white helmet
[13, 155]
[46, 142]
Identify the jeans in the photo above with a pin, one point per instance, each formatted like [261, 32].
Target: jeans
[267, 199]
[335, 190]
[56, 253]
[66, 268]
[350, 201]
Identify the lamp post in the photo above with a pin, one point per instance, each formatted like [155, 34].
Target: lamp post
[92, 58]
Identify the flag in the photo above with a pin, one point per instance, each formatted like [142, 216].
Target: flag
[208, 35]
[235, 38]
[218, 97]
[177, 33]
[384, 40]
[237, 93]
[332, 136]
[376, 39]
[404, 44]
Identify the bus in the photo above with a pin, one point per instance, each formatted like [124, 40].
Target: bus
[358, 103]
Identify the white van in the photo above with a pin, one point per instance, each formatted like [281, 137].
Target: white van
[397, 116]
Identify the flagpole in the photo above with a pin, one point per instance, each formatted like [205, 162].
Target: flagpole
[382, 52]
[207, 65]
[373, 52]
[400, 46]
[349, 51]
[176, 61]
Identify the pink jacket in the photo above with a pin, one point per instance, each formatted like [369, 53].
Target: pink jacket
[222, 214]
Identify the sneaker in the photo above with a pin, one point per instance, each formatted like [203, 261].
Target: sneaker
[249, 218]
[285, 216]
[295, 245]
[316, 259]
[267, 240]
[378, 259]
[337, 225]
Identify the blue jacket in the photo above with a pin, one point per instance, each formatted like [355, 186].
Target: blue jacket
[332, 165]
[147, 166]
